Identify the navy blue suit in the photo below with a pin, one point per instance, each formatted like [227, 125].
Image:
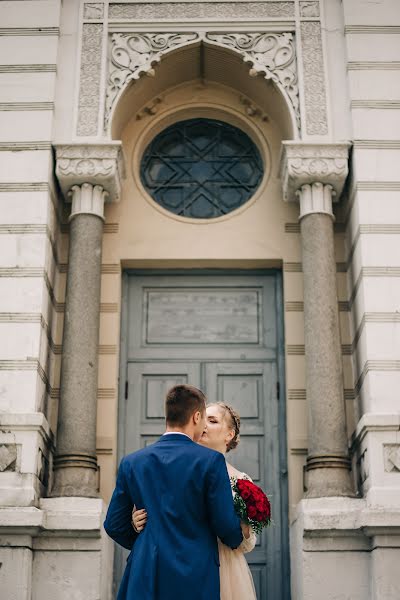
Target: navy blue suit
[186, 491]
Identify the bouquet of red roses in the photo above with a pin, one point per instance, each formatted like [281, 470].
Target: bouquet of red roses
[251, 504]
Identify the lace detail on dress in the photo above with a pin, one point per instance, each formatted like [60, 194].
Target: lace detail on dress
[248, 545]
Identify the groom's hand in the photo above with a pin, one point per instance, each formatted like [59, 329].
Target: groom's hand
[139, 519]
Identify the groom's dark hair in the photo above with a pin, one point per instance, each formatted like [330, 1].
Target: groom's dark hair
[181, 402]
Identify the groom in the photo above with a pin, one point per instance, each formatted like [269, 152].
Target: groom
[186, 491]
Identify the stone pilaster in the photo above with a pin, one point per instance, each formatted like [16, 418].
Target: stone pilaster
[314, 174]
[89, 175]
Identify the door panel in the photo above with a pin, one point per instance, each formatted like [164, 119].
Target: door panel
[219, 333]
[148, 384]
[201, 317]
[250, 389]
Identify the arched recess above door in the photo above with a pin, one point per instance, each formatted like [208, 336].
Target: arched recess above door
[263, 69]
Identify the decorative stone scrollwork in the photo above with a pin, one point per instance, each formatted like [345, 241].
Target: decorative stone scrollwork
[272, 54]
[175, 11]
[304, 164]
[391, 457]
[314, 78]
[93, 10]
[90, 82]
[95, 164]
[8, 457]
[134, 54]
[309, 9]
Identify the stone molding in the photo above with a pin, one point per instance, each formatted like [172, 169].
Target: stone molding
[305, 164]
[96, 164]
[315, 198]
[87, 199]
[181, 11]
[271, 54]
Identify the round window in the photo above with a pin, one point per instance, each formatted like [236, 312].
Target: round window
[201, 168]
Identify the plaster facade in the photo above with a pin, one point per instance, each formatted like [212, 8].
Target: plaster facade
[78, 76]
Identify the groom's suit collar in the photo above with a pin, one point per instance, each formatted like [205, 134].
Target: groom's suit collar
[175, 437]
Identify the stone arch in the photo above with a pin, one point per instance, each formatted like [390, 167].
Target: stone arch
[187, 56]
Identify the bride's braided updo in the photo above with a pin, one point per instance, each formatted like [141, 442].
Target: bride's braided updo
[234, 423]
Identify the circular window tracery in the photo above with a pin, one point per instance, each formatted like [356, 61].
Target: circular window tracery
[201, 168]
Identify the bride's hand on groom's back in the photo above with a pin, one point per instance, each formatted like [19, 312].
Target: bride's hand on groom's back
[139, 519]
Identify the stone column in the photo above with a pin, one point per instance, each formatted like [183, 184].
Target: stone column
[314, 174]
[88, 175]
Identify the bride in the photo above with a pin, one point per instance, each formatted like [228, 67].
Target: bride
[222, 435]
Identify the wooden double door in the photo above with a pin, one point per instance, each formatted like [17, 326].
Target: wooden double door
[221, 333]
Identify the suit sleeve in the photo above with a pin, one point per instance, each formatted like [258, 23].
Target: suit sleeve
[119, 515]
[224, 521]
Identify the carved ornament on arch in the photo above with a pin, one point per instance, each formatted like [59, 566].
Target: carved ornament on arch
[273, 55]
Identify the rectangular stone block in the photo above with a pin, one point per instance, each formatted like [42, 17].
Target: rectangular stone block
[376, 165]
[18, 390]
[21, 208]
[16, 570]
[377, 443]
[370, 298]
[385, 572]
[39, 13]
[374, 84]
[379, 341]
[379, 392]
[25, 126]
[20, 340]
[373, 46]
[376, 124]
[27, 87]
[25, 50]
[378, 250]
[27, 166]
[21, 294]
[25, 480]
[360, 12]
[23, 250]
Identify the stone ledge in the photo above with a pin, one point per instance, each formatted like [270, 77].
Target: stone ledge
[340, 517]
[27, 422]
[56, 516]
[375, 422]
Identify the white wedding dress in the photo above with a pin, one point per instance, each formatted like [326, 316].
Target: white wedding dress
[236, 581]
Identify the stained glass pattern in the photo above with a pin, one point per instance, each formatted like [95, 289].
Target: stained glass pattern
[201, 168]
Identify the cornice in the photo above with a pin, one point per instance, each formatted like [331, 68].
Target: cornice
[308, 163]
[97, 164]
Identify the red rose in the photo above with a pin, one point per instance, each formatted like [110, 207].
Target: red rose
[251, 511]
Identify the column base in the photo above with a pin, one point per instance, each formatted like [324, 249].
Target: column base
[329, 475]
[75, 475]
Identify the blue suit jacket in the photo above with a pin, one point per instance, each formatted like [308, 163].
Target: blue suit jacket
[186, 491]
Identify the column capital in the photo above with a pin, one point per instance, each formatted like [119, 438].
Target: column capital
[98, 164]
[309, 163]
